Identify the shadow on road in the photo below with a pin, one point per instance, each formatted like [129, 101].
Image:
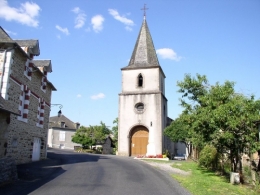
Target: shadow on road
[35, 174]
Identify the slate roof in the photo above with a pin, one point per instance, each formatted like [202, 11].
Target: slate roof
[45, 64]
[55, 121]
[6, 107]
[4, 36]
[33, 45]
[144, 54]
[6, 40]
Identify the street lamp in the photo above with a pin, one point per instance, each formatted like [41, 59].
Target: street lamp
[59, 113]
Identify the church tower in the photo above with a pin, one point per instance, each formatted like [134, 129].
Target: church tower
[142, 102]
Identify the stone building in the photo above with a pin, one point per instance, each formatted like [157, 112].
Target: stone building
[24, 85]
[5, 114]
[142, 102]
[61, 130]
[7, 165]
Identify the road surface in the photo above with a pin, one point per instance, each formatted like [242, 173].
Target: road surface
[94, 174]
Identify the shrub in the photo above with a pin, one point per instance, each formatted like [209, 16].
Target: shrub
[167, 153]
[208, 157]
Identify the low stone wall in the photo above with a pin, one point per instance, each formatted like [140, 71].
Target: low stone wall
[8, 170]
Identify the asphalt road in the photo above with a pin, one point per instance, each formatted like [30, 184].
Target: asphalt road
[105, 174]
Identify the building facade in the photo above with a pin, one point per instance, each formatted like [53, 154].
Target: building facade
[61, 130]
[24, 85]
[8, 171]
[142, 101]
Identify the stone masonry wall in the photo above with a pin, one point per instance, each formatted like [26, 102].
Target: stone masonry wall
[3, 133]
[21, 134]
[8, 171]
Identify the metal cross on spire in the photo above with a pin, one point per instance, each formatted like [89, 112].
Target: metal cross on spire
[145, 8]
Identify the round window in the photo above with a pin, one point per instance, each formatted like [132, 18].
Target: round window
[139, 107]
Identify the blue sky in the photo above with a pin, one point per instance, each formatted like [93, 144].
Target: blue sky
[89, 41]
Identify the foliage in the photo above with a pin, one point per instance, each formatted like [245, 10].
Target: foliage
[180, 131]
[213, 184]
[92, 135]
[115, 132]
[217, 115]
[99, 132]
[82, 136]
[152, 156]
[208, 157]
[167, 154]
[84, 150]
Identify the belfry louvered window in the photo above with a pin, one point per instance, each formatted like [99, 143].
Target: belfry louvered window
[140, 80]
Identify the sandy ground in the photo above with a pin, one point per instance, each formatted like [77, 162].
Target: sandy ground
[166, 166]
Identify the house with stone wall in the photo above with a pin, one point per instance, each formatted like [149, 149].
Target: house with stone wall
[25, 86]
[7, 165]
[61, 130]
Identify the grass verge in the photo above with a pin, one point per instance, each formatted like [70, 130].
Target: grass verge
[204, 182]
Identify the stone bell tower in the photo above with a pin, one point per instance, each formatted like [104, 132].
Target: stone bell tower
[142, 102]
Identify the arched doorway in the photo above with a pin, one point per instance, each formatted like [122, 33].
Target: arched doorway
[139, 141]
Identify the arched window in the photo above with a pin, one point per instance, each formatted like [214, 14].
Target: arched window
[140, 80]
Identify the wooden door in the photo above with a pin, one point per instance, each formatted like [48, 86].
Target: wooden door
[139, 141]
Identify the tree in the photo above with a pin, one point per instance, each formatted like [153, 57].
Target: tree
[180, 131]
[89, 136]
[115, 132]
[220, 116]
[99, 132]
[83, 137]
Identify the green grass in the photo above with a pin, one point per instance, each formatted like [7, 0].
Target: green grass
[204, 182]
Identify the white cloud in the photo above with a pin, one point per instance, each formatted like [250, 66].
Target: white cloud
[97, 22]
[76, 10]
[122, 19]
[79, 96]
[80, 20]
[26, 14]
[81, 17]
[98, 96]
[167, 53]
[10, 32]
[64, 30]
[128, 28]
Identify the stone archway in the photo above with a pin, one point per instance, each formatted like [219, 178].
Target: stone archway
[139, 141]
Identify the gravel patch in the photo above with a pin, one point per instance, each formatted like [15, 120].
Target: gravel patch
[167, 167]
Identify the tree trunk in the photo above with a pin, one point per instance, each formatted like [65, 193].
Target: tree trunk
[222, 164]
[232, 162]
[252, 168]
[189, 150]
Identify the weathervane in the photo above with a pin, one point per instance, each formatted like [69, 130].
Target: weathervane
[145, 8]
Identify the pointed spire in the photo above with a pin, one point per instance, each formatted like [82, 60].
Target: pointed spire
[144, 54]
